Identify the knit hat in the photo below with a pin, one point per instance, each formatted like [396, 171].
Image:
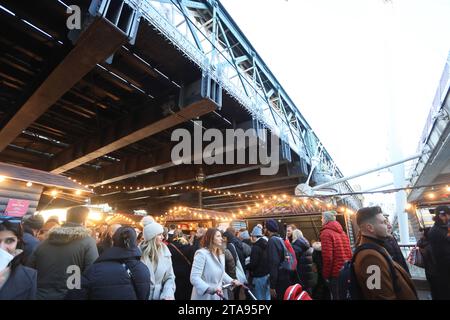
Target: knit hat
[125, 237]
[329, 216]
[244, 235]
[272, 225]
[257, 232]
[151, 228]
[34, 222]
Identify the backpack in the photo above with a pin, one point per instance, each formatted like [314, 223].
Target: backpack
[348, 286]
[289, 262]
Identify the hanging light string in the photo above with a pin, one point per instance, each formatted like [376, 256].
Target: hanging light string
[55, 192]
[266, 202]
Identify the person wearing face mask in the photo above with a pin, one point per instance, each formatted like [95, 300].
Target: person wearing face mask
[158, 259]
[379, 277]
[17, 282]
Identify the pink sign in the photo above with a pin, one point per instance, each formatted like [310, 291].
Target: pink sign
[17, 208]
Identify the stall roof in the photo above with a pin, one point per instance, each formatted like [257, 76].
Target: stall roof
[39, 177]
[191, 214]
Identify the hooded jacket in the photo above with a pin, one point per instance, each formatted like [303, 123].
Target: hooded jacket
[68, 245]
[108, 278]
[259, 266]
[335, 249]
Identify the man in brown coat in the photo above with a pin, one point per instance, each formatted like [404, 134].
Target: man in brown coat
[379, 277]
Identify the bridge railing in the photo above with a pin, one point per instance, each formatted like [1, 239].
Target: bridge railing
[207, 35]
[416, 272]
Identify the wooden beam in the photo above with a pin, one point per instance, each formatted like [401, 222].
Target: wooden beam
[138, 165]
[110, 141]
[95, 44]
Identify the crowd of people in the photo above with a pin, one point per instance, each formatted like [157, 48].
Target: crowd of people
[69, 261]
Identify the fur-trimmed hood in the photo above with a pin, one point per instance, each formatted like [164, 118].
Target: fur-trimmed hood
[67, 233]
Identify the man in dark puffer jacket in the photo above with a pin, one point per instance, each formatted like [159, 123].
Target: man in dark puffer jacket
[303, 252]
[118, 274]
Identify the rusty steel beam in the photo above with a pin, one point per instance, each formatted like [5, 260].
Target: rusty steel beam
[95, 44]
[109, 140]
[138, 165]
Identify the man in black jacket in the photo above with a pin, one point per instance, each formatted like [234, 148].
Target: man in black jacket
[258, 266]
[391, 245]
[279, 281]
[440, 251]
[31, 227]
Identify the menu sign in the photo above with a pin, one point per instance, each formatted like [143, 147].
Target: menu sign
[17, 208]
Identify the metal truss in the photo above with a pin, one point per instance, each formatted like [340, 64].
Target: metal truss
[205, 33]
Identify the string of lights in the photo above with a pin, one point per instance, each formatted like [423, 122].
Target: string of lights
[263, 201]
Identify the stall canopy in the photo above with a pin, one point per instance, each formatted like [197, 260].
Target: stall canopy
[21, 189]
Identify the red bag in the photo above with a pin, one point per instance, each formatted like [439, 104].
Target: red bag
[291, 254]
[296, 292]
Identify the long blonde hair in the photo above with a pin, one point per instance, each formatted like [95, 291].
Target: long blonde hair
[150, 252]
[296, 234]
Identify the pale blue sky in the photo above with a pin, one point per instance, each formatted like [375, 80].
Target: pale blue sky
[332, 57]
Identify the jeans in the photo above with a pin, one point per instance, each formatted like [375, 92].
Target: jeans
[334, 288]
[262, 288]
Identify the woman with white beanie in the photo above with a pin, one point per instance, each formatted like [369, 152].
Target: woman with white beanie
[157, 258]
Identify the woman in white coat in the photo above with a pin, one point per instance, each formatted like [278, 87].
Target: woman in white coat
[208, 269]
[158, 259]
